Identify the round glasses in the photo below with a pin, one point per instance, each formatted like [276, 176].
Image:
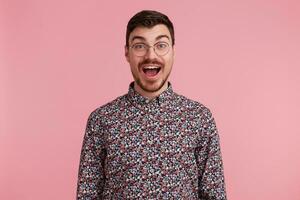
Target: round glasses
[141, 49]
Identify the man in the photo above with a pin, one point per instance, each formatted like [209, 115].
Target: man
[151, 143]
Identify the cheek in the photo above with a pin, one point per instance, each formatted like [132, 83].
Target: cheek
[169, 61]
[135, 61]
[134, 64]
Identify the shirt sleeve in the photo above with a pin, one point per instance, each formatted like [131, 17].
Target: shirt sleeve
[91, 176]
[209, 160]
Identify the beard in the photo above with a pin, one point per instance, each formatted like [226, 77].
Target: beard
[153, 87]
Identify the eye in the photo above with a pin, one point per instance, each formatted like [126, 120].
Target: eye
[139, 46]
[161, 45]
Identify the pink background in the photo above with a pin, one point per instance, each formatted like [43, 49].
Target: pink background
[62, 59]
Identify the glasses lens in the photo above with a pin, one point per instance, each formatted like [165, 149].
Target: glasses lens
[161, 48]
[139, 49]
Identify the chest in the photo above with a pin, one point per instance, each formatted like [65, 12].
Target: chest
[145, 137]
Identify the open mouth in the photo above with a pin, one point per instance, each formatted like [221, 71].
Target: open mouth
[151, 70]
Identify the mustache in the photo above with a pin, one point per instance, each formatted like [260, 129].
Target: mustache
[149, 61]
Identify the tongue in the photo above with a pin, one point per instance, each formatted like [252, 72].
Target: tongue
[151, 72]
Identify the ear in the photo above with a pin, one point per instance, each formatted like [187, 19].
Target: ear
[126, 53]
[173, 48]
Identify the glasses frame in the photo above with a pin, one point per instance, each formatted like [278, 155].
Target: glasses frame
[150, 46]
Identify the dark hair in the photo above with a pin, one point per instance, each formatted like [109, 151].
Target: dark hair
[149, 18]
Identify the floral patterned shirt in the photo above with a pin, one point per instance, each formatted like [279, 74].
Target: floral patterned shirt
[165, 148]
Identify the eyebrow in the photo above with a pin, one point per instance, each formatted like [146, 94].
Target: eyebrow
[157, 38]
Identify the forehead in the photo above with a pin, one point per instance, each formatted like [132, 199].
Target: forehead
[150, 34]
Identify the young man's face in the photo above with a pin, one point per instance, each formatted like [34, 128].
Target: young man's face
[150, 71]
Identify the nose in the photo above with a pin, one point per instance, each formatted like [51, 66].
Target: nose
[150, 53]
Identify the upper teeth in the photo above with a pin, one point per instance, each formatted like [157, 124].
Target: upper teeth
[151, 67]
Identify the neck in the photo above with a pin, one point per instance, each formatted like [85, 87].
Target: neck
[150, 95]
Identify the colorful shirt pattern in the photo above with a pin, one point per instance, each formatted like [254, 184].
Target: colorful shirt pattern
[166, 148]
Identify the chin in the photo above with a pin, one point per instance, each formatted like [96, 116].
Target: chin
[148, 87]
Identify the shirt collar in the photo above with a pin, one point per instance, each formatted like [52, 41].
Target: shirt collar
[141, 101]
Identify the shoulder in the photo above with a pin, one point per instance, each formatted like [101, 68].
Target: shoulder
[194, 107]
[199, 116]
[104, 112]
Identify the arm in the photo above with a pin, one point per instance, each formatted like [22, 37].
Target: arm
[91, 172]
[209, 160]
